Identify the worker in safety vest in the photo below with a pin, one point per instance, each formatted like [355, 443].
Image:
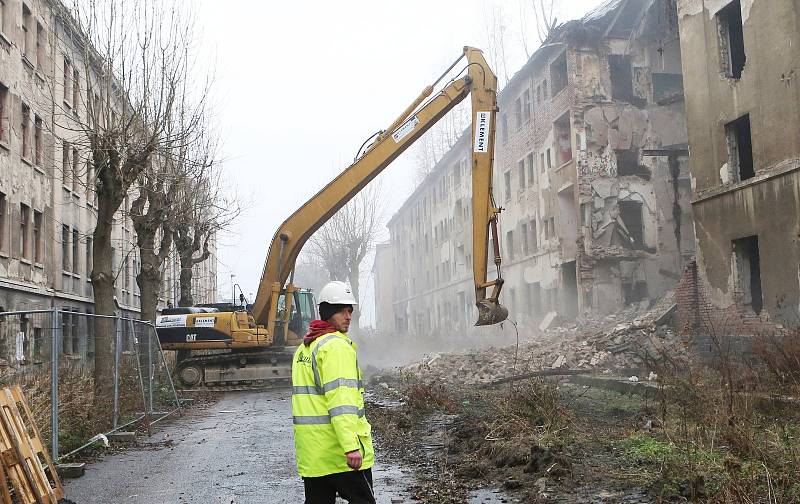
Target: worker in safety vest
[332, 437]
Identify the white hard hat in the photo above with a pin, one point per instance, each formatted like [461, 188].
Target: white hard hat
[337, 292]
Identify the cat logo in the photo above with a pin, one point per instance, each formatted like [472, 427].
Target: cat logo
[190, 337]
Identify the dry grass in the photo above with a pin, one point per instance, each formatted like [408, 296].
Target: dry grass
[730, 423]
[77, 419]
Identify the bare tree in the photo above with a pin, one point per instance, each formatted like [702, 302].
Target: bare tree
[341, 245]
[202, 209]
[496, 32]
[437, 141]
[544, 15]
[152, 217]
[133, 59]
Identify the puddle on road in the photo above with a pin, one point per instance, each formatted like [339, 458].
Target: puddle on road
[488, 496]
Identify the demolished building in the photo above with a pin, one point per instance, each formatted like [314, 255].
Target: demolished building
[591, 169]
[740, 62]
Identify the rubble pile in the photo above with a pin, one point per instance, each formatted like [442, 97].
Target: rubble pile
[623, 342]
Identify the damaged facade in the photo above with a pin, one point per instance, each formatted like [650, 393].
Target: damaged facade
[47, 201]
[591, 168]
[740, 61]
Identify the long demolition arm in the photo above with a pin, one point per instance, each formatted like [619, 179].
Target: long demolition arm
[415, 120]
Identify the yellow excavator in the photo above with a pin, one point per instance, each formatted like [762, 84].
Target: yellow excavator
[254, 346]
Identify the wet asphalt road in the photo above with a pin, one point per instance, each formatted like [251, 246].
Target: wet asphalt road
[239, 450]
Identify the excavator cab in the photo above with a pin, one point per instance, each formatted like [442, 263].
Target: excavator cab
[303, 312]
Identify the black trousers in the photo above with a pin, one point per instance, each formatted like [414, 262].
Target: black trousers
[353, 486]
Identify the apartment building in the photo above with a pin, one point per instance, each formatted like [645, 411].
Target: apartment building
[740, 62]
[591, 169]
[47, 203]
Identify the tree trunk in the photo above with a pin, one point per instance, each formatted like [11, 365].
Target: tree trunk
[104, 328]
[186, 282]
[149, 282]
[355, 323]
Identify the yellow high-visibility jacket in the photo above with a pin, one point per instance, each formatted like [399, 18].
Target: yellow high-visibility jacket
[328, 407]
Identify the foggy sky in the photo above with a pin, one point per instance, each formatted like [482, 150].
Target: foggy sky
[300, 85]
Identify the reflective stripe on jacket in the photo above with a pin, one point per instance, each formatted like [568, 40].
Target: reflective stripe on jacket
[328, 407]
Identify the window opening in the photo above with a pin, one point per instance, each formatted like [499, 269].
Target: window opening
[740, 147]
[563, 134]
[621, 77]
[748, 270]
[628, 164]
[731, 35]
[558, 74]
[631, 214]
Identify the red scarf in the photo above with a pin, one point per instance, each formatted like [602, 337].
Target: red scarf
[316, 329]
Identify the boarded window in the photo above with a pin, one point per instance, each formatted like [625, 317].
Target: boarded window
[66, 167]
[3, 218]
[3, 108]
[37, 236]
[24, 127]
[75, 251]
[37, 140]
[27, 26]
[65, 263]
[507, 180]
[24, 226]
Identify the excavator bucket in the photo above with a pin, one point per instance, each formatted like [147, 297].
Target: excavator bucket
[490, 312]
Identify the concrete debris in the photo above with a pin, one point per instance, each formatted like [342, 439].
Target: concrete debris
[547, 321]
[623, 342]
[633, 379]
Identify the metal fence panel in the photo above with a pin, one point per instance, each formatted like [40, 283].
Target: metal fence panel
[51, 354]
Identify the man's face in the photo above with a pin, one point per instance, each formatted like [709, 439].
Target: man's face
[341, 319]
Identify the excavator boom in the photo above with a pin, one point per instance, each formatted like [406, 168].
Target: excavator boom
[290, 237]
[255, 347]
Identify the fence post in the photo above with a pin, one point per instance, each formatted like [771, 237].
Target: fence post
[55, 350]
[150, 368]
[117, 366]
[138, 349]
[167, 370]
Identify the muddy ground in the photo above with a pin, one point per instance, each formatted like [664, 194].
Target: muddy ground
[565, 444]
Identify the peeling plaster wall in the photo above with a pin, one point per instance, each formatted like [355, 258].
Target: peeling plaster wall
[766, 205]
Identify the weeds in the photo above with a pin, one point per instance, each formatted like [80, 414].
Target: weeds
[717, 428]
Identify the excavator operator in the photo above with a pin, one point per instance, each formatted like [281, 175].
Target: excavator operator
[332, 437]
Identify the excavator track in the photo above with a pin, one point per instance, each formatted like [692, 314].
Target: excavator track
[231, 371]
